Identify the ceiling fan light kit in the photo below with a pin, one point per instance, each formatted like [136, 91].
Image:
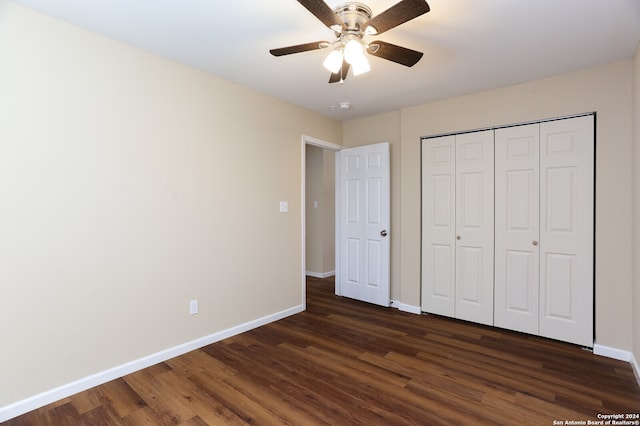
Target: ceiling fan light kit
[333, 61]
[360, 65]
[350, 23]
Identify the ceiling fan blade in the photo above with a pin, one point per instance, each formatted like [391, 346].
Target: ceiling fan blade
[397, 14]
[391, 52]
[299, 48]
[340, 75]
[323, 12]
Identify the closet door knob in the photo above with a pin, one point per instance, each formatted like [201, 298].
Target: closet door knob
[535, 243]
[458, 237]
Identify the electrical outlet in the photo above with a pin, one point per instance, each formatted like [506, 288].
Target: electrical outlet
[193, 307]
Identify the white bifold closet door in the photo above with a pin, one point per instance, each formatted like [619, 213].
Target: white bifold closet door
[544, 176]
[567, 169]
[457, 270]
[439, 225]
[517, 249]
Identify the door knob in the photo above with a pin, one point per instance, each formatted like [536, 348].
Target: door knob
[383, 233]
[458, 237]
[535, 243]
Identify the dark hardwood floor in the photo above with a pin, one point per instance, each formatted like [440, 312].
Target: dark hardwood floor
[343, 362]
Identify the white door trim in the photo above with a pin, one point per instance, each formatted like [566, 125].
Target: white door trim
[304, 141]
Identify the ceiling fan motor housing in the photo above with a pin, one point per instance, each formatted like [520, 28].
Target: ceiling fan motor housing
[354, 15]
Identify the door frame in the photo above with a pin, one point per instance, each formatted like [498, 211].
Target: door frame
[304, 141]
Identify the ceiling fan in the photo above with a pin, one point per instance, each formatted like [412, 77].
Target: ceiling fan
[351, 22]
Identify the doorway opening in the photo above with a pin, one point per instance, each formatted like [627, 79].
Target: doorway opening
[318, 209]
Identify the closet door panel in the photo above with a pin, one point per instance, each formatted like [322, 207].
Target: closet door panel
[470, 274]
[438, 225]
[566, 235]
[517, 228]
[474, 227]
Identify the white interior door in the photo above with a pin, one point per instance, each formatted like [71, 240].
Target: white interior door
[566, 229]
[362, 223]
[474, 226]
[438, 225]
[517, 223]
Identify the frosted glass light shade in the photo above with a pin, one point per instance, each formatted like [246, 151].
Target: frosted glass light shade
[352, 51]
[360, 65]
[333, 61]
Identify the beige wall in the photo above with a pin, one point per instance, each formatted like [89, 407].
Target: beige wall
[320, 221]
[606, 90]
[130, 185]
[328, 209]
[636, 206]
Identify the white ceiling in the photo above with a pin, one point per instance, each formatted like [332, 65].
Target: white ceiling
[468, 45]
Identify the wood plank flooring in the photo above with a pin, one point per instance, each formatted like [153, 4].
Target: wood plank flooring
[343, 362]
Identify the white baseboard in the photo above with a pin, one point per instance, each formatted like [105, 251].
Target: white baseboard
[620, 355]
[406, 308]
[409, 308]
[636, 368]
[614, 353]
[40, 400]
[320, 274]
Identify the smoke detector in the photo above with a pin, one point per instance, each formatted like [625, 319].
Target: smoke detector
[342, 106]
